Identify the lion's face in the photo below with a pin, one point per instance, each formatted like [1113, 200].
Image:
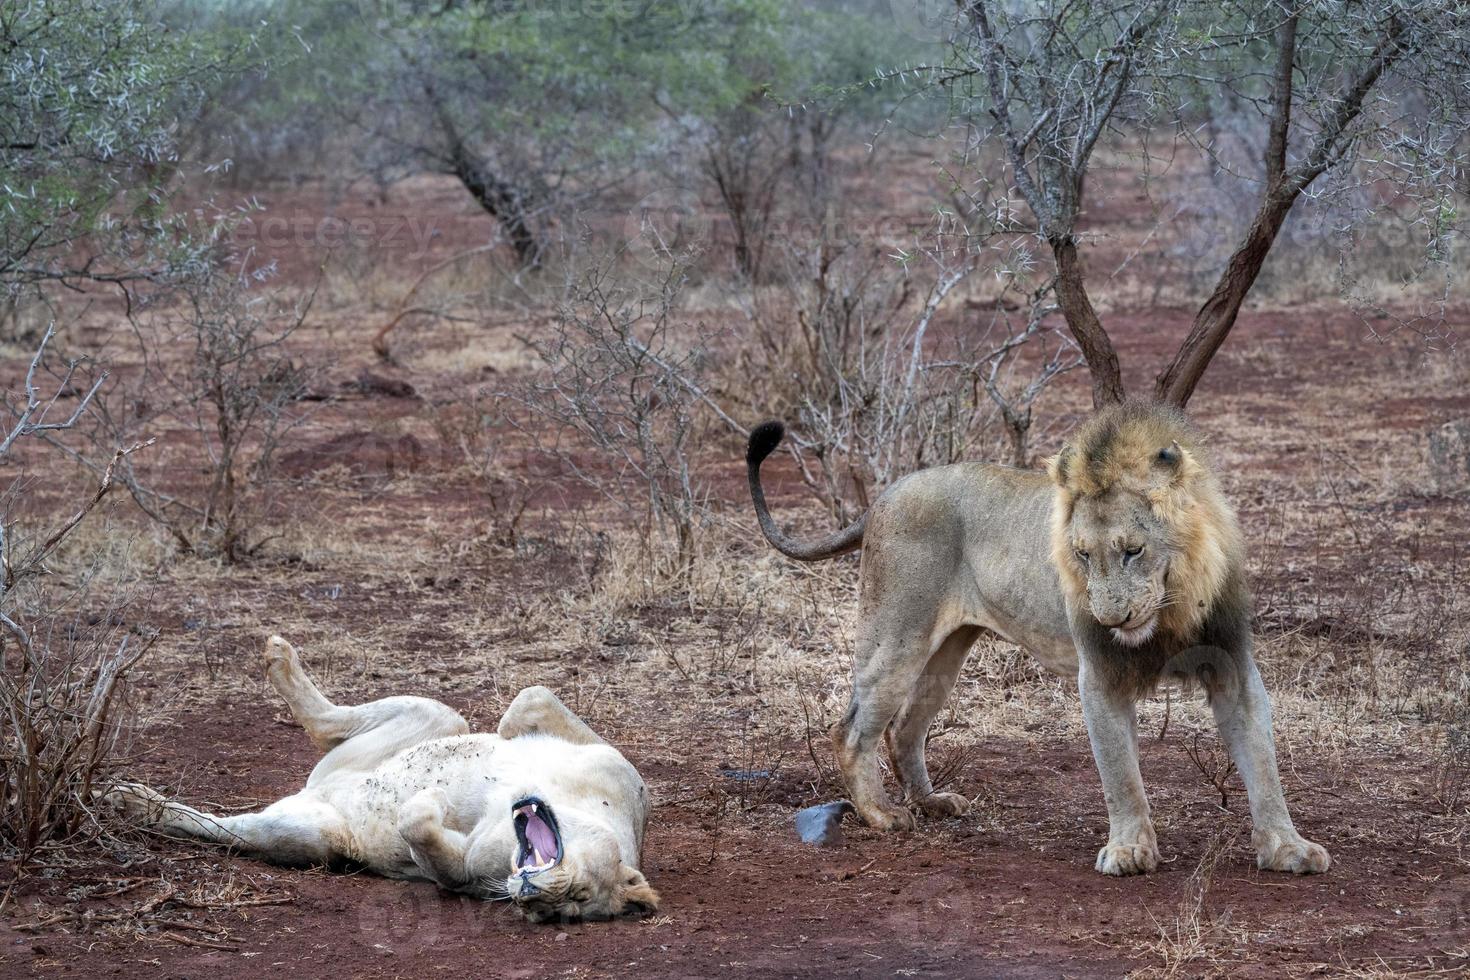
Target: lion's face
[568, 867]
[1121, 550]
[1140, 531]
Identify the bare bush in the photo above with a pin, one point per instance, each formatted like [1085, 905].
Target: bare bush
[743, 160]
[66, 727]
[770, 169]
[1213, 763]
[215, 364]
[619, 410]
[1452, 781]
[469, 426]
[61, 671]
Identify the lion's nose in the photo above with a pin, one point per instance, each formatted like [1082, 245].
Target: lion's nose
[528, 890]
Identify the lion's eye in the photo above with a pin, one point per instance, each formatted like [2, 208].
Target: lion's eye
[1083, 554]
[1133, 552]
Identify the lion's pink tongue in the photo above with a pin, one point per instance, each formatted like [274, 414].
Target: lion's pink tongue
[540, 837]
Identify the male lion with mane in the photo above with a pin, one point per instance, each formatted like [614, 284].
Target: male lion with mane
[543, 813]
[1121, 566]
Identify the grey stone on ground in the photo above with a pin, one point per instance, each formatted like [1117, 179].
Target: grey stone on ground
[822, 824]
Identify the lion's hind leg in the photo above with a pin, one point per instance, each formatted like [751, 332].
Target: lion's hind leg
[297, 830]
[327, 724]
[537, 711]
[889, 660]
[908, 734]
[360, 736]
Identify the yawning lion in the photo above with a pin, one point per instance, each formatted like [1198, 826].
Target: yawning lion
[543, 813]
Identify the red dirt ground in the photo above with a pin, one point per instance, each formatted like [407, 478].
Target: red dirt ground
[743, 898]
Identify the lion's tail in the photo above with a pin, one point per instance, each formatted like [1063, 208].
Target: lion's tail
[764, 439]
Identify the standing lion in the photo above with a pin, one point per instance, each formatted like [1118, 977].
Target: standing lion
[1122, 565]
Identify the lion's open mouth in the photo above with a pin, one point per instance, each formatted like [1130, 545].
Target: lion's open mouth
[540, 840]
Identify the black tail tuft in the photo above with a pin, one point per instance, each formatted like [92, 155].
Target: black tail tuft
[764, 439]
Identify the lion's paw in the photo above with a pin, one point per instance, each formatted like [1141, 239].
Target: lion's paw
[1298, 856]
[1127, 859]
[887, 817]
[423, 813]
[278, 651]
[944, 805]
[135, 800]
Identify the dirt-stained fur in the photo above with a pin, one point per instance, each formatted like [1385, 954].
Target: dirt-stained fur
[1122, 564]
[543, 812]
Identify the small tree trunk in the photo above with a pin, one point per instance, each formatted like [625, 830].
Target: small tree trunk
[1082, 320]
[1217, 316]
[502, 201]
[1018, 427]
[505, 201]
[732, 179]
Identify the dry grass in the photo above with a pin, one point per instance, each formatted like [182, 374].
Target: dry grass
[188, 917]
[1194, 943]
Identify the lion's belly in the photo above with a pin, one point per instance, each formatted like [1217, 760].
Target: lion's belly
[1031, 619]
[483, 775]
[1057, 653]
[470, 769]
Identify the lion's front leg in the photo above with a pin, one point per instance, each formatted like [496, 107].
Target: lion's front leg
[437, 850]
[1112, 728]
[1243, 712]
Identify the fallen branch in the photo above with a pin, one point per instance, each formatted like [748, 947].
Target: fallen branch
[202, 943]
[380, 339]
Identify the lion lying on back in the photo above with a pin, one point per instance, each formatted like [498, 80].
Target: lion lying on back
[543, 813]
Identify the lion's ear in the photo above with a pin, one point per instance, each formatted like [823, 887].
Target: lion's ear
[1174, 458]
[636, 896]
[1058, 466]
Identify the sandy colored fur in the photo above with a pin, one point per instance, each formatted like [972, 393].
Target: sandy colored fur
[1080, 569]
